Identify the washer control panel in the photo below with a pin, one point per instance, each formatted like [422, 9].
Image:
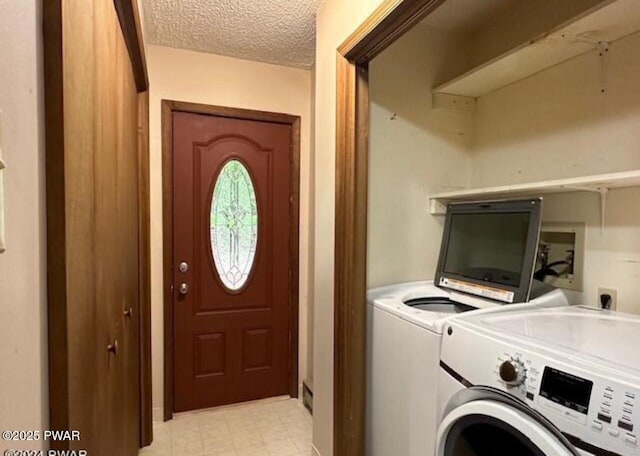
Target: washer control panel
[601, 412]
[617, 412]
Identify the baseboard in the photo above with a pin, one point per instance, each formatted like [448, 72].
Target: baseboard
[158, 414]
[315, 450]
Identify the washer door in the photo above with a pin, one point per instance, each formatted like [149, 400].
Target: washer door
[487, 422]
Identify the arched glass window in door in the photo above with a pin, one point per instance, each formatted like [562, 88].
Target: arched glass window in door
[234, 225]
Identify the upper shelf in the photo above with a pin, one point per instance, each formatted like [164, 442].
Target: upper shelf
[598, 183]
[605, 23]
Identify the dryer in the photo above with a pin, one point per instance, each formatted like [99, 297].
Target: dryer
[543, 382]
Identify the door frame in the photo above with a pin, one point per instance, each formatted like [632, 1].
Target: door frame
[384, 26]
[168, 107]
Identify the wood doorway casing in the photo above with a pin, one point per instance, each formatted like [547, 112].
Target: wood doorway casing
[168, 108]
[387, 23]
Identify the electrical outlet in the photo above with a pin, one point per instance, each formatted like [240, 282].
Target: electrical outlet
[614, 297]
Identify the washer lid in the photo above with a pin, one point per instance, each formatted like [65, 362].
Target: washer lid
[608, 337]
[482, 421]
[392, 299]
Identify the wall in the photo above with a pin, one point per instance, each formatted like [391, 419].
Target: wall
[414, 150]
[23, 335]
[555, 125]
[612, 259]
[336, 20]
[551, 125]
[312, 232]
[211, 79]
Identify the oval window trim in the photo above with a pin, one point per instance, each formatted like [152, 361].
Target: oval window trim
[234, 280]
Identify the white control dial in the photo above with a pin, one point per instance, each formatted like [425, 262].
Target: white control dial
[513, 372]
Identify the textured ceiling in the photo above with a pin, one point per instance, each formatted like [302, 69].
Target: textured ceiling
[273, 31]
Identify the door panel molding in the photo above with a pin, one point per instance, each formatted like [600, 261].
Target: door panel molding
[169, 107]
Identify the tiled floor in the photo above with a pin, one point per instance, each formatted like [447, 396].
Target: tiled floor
[273, 427]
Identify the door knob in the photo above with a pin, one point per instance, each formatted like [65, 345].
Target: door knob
[128, 312]
[183, 267]
[183, 288]
[113, 348]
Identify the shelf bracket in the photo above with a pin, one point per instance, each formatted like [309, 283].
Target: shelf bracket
[437, 207]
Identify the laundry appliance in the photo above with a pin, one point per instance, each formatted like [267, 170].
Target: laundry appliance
[405, 325]
[486, 261]
[541, 382]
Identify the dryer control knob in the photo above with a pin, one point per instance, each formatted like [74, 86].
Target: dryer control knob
[512, 372]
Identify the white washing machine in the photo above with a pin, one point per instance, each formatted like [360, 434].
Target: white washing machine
[544, 382]
[405, 332]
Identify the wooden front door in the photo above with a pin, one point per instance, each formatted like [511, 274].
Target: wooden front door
[232, 187]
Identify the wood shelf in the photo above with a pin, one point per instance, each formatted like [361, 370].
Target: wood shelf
[594, 29]
[600, 183]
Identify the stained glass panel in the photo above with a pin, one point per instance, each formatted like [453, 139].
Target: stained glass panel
[234, 224]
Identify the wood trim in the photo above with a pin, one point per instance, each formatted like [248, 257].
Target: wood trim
[350, 261]
[56, 217]
[389, 22]
[366, 29]
[129, 17]
[294, 248]
[235, 113]
[144, 280]
[168, 107]
[167, 260]
[386, 24]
